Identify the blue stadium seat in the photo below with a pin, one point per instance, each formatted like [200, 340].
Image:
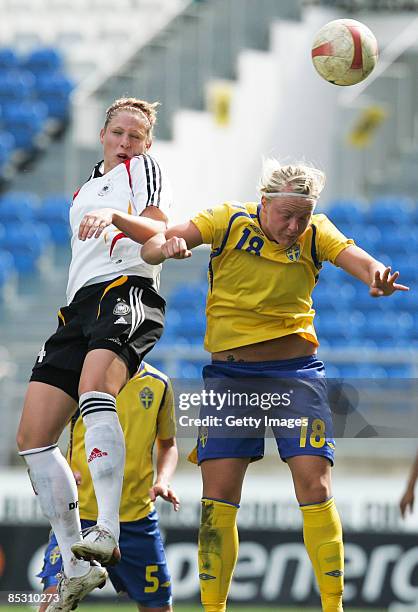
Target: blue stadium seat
[7, 146]
[42, 61]
[391, 210]
[346, 212]
[26, 242]
[398, 241]
[7, 267]
[333, 294]
[361, 343]
[8, 59]
[15, 86]
[330, 274]
[190, 369]
[187, 295]
[332, 370]
[348, 370]
[408, 270]
[54, 90]
[371, 370]
[54, 211]
[18, 206]
[25, 121]
[368, 237]
[172, 320]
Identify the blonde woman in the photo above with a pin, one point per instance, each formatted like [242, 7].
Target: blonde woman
[264, 264]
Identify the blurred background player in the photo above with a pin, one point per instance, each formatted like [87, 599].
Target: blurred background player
[408, 498]
[146, 413]
[113, 318]
[269, 254]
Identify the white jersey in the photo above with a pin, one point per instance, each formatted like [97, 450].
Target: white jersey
[129, 187]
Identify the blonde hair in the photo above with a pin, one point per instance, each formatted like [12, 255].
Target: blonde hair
[148, 110]
[297, 179]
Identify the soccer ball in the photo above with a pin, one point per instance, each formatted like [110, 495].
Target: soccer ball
[344, 52]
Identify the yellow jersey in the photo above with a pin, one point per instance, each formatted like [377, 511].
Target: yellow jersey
[146, 411]
[259, 290]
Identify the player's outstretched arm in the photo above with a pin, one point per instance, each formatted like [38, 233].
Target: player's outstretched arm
[167, 457]
[408, 498]
[374, 273]
[174, 244]
[140, 229]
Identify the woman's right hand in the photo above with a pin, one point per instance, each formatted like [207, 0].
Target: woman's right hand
[175, 248]
[93, 223]
[407, 502]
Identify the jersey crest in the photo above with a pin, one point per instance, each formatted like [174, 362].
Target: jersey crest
[121, 308]
[293, 252]
[107, 188]
[146, 397]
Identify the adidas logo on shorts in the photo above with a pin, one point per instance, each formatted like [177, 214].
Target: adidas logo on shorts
[95, 454]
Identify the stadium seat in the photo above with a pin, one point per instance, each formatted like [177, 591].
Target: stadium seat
[26, 242]
[8, 59]
[368, 237]
[42, 61]
[18, 206]
[54, 90]
[7, 146]
[54, 211]
[346, 212]
[390, 211]
[7, 267]
[172, 320]
[188, 296]
[190, 369]
[194, 323]
[25, 121]
[398, 241]
[371, 370]
[348, 370]
[16, 86]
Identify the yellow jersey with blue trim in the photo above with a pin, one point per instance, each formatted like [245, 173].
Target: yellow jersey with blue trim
[259, 290]
[146, 411]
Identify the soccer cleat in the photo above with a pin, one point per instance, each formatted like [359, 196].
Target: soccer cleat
[72, 590]
[98, 544]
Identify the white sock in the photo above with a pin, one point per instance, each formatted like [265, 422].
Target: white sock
[54, 484]
[105, 450]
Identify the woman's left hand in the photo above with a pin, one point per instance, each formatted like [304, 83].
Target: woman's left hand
[93, 223]
[384, 283]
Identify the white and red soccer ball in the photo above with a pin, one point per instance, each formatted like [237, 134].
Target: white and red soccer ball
[344, 51]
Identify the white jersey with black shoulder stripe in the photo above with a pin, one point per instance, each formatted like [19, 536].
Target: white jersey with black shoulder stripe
[129, 187]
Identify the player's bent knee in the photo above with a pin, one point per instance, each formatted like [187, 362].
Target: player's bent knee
[26, 439]
[316, 492]
[100, 384]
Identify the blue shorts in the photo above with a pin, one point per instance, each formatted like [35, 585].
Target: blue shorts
[299, 416]
[142, 571]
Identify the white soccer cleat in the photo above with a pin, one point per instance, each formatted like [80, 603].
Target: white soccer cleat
[98, 544]
[72, 590]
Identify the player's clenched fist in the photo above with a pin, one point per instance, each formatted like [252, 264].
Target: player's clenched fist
[175, 248]
[94, 222]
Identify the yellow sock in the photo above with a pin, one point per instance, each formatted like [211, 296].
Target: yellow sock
[323, 537]
[218, 552]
